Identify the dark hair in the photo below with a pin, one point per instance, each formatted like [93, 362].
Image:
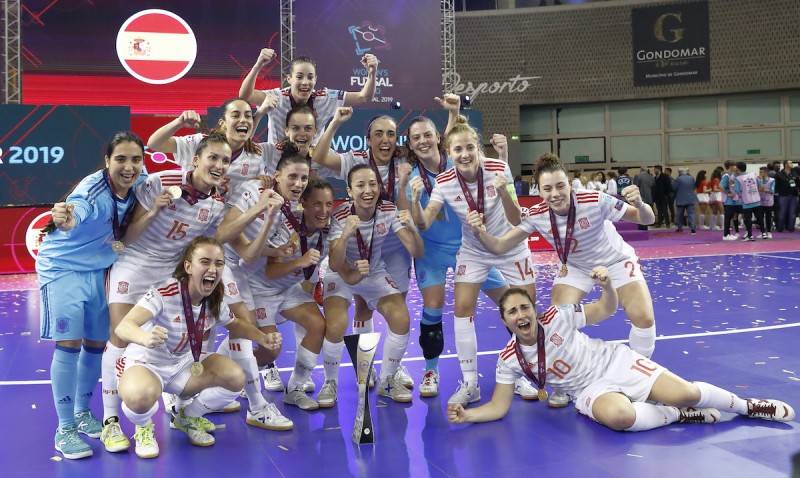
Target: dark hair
[729, 163]
[249, 145]
[116, 140]
[763, 168]
[622, 170]
[355, 169]
[218, 294]
[212, 138]
[548, 163]
[717, 173]
[741, 166]
[290, 155]
[701, 176]
[463, 126]
[508, 293]
[411, 157]
[668, 170]
[299, 60]
[299, 110]
[314, 184]
[658, 167]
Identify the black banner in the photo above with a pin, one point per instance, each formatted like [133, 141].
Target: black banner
[670, 44]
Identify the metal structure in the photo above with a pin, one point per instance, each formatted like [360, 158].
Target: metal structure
[287, 37]
[448, 46]
[12, 52]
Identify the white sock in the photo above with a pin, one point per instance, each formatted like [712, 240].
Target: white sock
[108, 372]
[299, 334]
[643, 340]
[241, 352]
[393, 350]
[140, 418]
[365, 327]
[304, 362]
[712, 221]
[701, 220]
[467, 348]
[649, 416]
[723, 400]
[331, 357]
[210, 399]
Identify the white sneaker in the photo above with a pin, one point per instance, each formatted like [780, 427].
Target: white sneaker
[112, 437]
[326, 397]
[466, 393]
[272, 380]
[716, 228]
[193, 428]
[429, 387]
[309, 386]
[298, 398]
[769, 235]
[392, 388]
[524, 389]
[146, 444]
[270, 418]
[731, 237]
[404, 377]
[774, 410]
[558, 399]
[704, 227]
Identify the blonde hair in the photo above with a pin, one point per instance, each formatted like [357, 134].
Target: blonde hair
[462, 126]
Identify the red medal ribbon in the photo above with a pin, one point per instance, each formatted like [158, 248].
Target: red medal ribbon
[468, 196]
[540, 378]
[387, 193]
[190, 194]
[563, 249]
[363, 251]
[423, 173]
[303, 233]
[117, 227]
[195, 329]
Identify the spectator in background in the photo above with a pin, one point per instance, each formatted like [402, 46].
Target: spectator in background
[611, 184]
[645, 182]
[732, 205]
[716, 198]
[773, 169]
[766, 189]
[598, 182]
[670, 196]
[786, 187]
[577, 184]
[623, 180]
[518, 184]
[534, 188]
[747, 185]
[662, 187]
[703, 190]
[685, 198]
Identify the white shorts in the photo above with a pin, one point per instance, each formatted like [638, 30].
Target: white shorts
[377, 285]
[628, 373]
[717, 196]
[703, 197]
[398, 265]
[127, 283]
[173, 375]
[270, 303]
[623, 272]
[515, 266]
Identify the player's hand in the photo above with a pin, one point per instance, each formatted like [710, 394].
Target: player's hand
[500, 182]
[310, 258]
[500, 144]
[351, 225]
[370, 62]
[274, 202]
[417, 186]
[362, 267]
[162, 201]
[63, 217]
[270, 103]
[632, 196]
[287, 250]
[342, 115]
[264, 56]
[451, 102]
[403, 171]
[456, 413]
[601, 276]
[404, 216]
[475, 221]
[271, 341]
[155, 337]
[189, 119]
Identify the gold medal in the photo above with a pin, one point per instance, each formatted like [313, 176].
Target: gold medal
[295, 238]
[299, 208]
[306, 285]
[542, 394]
[117, 246]
[175, 191]
[564, 271]
[197, 369]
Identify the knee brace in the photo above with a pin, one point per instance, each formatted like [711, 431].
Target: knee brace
[431, 340]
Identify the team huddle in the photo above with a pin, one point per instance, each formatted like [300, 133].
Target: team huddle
[136, 272]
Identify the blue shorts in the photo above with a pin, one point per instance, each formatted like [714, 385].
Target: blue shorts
[431, 270]
[74, 307]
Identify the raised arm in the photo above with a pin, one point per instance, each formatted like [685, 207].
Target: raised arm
[130, 329]
[366, 94]
[338, 251]
[641, 212]
[607, 304]
[249, 251]
[422, 218]
[323, 154]
[495, 245]
[508, 198]
[142, 217]
[494, 409]
[163, 138]
[247, 90]
[452, 103]
[410, 236]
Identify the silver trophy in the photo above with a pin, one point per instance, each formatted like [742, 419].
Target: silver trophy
[362, 349]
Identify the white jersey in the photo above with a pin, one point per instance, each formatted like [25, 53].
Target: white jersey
[448, 190]
[271, 154]
[385, 224]
[281, 234]
[164, 302]
[323, 101]
[595, 240]
[246, 197]
[245, 166]
[574, 360]
[175, 226]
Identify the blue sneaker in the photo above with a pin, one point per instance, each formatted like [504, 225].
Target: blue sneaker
[88, 424]
[70, 444]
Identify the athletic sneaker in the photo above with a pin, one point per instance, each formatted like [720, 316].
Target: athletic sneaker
[232, 407]
[524, 389]
[270, 418]
[769, 235]
[326, 397]
[731, 237]
[429, 387]
[466, 393]
[298, 398]
[70, 443]
[309, 386]
[763, 235]
[404, 378]
[145, 438]
[207, 424]
[558, 399]
[272, 379]
[88, 424]
[372, 375]
[748, 238]
[113, 438]
[392, 388]
[193, 428]
[774, 410]
[698, 415]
